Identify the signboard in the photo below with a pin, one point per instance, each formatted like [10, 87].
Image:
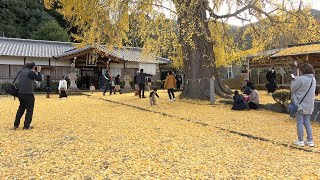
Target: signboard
[92, 59]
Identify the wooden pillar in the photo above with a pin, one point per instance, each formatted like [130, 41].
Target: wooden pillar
[258, 82]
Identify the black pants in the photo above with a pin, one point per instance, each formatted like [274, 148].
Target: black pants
[108, 85]
[178, 85]
[63, 94]
[141, 90]
[253, 105]
[170, 92]
[26, 103]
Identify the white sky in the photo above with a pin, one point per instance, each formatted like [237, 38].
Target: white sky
[315, 4]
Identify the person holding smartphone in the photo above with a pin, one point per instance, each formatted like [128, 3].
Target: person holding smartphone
[26, 82]
[302, 94]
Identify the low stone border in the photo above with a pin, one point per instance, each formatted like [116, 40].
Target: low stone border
[279, 109]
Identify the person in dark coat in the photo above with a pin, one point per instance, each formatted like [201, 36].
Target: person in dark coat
[272, 86]
[141, 80]
[117, 84]
[179, 81]
[26, 80]
[107, 83]
[239, 103]
[271, 75]
[247, 89]
[48, 86]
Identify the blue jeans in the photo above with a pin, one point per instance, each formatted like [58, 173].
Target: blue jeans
[304, 120]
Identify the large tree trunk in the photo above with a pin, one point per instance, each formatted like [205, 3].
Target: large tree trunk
[197, 50]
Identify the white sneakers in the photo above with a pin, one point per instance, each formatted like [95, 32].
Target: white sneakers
[172, 99]
[302, 143]
[299, 143]
[311, 143]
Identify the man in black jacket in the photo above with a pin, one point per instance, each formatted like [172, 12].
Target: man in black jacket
[26, 81]
[271, 75]
[141, 80]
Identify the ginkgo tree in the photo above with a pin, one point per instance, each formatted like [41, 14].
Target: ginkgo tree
[195, 36]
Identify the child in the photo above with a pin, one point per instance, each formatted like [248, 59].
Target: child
[92, 88]
[152, 97]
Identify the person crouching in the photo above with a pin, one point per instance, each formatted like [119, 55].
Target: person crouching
[152, 98]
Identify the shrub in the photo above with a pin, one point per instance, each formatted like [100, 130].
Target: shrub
[282, 97]
[122, 84]
[131, 84]
[4, 86]
[158, 84]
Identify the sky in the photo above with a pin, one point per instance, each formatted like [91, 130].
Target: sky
[315, 4]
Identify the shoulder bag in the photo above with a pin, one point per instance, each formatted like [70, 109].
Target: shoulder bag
[293, 108]
[12, 89]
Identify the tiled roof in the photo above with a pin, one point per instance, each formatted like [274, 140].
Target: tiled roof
[269, 52]
[32, 48]
[48, 49]
[299, 50]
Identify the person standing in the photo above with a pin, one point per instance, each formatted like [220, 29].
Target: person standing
[169, 84]
[271, 75]
[141, 80]
[117, 86]
[48, 86]
[303, 94]
[148, 81]
[179, 81]
[26, 82]
[136, 85]
[271, 86]
[152, 97]
[63, 86]
[245, 77]
[107, 77]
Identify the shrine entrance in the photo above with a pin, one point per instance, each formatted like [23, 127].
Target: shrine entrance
[91, 63]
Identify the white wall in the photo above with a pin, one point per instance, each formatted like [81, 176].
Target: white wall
[12, 60]
[55, 62]
[9, 60]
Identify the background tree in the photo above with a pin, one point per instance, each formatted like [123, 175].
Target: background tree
[19, 18]
[50, 31]
[198, 42]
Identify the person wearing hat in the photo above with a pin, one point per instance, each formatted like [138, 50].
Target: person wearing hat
[25, 83]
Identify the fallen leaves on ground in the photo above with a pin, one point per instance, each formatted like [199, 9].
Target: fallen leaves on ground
[88, 138]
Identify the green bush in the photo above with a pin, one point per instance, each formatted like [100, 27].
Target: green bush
[122, 84]
[158, 84]
[132, 84]
[4, 86]
[282, 97]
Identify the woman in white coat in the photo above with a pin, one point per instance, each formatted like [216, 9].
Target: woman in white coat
[303, 94]
[63, 86]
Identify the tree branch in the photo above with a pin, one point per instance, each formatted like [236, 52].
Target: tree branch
[152, 4]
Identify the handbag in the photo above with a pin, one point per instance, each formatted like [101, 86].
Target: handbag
[293, 108]
[12, 89]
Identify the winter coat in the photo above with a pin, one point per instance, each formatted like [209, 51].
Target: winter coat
[254, 97]
[271, 75]
[239, 103]
[26, 80]
[117, 81]
[272, 86]
[170, 82]
[299, 88]
[247, 90]
[141, 78]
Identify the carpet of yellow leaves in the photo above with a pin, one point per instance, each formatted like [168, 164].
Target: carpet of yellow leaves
[91, 137]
